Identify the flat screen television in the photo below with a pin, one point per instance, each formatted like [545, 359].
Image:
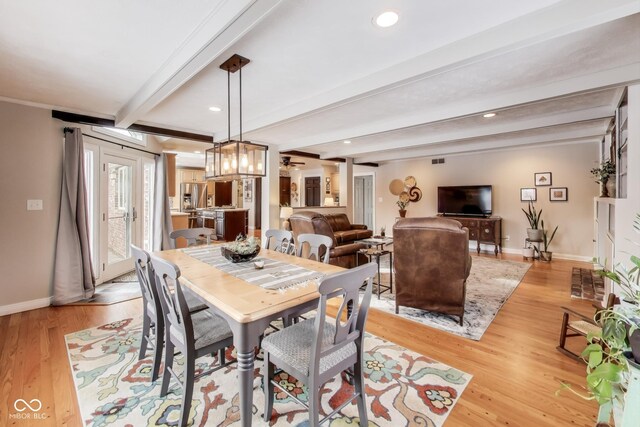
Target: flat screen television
[469, 200]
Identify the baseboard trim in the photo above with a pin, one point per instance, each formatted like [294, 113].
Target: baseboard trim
[24, 306]
[568, 257]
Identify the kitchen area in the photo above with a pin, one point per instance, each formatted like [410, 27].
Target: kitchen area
[227, 207]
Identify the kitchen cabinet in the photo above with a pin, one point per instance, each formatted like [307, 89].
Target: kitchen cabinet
[231, 222]
[191, 175]
[223, 193]
[285, 191]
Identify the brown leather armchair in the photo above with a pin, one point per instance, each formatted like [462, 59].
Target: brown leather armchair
[432, 263]
[341, 254]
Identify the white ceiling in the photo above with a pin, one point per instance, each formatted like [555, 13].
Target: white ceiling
[321, 72]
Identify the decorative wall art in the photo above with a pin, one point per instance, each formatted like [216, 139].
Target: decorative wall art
[294, 192]
[528, 195]
[542, 179]
[327, 185]
[558, 194]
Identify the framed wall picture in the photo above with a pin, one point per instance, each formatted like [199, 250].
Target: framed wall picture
[558, 194]
[542, 179]
[327, 185]
[528, 195]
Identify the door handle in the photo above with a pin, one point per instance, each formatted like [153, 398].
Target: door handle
[135, 214]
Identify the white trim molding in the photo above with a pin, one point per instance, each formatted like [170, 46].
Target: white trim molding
[24, 306]
[556, 255]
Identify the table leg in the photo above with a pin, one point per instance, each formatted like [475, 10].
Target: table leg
[245, 339]
[379, 278]
[390, 272]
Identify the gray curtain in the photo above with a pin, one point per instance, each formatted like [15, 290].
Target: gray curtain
[162, 226]
[73, 278]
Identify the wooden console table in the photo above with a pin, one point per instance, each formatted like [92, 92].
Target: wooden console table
[483, 230]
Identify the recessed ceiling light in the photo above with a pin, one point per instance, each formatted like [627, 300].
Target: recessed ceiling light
[337, 163]
[346, 141]
[215, 109]
[489, 115]
[197, 152]
[296, 169]
[386, 19]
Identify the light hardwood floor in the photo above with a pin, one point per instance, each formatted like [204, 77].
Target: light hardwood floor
[515, 366]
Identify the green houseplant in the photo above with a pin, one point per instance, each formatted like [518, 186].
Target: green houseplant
[602, 174]
[533, 233]
[402, 205]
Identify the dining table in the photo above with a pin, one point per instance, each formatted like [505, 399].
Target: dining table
[248, 307]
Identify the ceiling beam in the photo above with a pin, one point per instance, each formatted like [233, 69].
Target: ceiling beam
[224, 26]
[154, 130]
[605, 79]
[396, 139]
[560, 19]
[591, 134]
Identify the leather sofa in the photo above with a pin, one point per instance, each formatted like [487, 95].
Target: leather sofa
[336, 226]
[432, 263]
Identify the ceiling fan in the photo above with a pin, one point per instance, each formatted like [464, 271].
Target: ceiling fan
[287, 163]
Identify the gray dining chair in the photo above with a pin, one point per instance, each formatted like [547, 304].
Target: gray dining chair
[193, 236]
[279, 240]
[318, 246]
[318, 349]
[153, 320]
[194, 335]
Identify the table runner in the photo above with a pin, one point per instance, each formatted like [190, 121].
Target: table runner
[274, 275]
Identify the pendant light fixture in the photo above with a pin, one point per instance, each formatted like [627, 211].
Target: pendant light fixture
[232, 159]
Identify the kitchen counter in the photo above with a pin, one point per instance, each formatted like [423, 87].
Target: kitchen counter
[179, 214]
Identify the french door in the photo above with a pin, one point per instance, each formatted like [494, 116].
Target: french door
[119, 215]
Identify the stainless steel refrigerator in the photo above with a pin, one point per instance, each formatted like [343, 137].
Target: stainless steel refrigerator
[193, 195]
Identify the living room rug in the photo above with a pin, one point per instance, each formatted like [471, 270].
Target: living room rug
[586, 284]
[114, 388]
[490, 283]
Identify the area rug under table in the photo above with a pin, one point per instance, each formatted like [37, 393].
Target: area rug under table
[491, 282]
[113, 388]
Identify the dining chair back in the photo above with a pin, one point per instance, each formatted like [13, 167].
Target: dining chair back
[153, 320]
[193, 236]
[279, 240]
[316, 350]
[314, 246]
[193, 334]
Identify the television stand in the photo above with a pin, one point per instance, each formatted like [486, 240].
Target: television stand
[483, 230]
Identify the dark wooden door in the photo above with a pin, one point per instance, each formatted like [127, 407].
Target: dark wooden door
[224, 190]
[312, 191]
[257, 191]
[285, 191]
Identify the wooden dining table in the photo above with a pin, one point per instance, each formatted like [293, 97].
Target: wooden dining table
[248, 308]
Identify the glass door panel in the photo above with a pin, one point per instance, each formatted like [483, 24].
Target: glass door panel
[119, 215]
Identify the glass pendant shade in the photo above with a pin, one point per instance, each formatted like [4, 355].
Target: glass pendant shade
[221, 161]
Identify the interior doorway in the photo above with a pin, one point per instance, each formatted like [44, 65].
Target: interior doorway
[363, 193]
[312, 191]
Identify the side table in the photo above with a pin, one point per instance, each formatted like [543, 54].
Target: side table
[377, 253]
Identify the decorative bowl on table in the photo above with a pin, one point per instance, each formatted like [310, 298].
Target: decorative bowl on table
[241, 250]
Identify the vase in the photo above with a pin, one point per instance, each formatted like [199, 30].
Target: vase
[603, 189]
[527, 253]
[403, 213]
[610, 186]
[545, 256]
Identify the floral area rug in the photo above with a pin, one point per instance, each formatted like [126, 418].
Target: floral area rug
[489, 285]
[114, 388]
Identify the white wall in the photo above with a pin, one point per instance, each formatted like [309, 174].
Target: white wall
[507, 171]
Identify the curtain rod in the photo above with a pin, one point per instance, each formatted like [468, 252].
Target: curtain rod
[122, 146]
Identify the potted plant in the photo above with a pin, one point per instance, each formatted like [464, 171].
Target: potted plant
[533, 233]
[243, 249]
[603, 175]
[545, 255]
[402, 205]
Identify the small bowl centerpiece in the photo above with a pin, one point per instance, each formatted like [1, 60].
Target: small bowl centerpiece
[243, 249]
